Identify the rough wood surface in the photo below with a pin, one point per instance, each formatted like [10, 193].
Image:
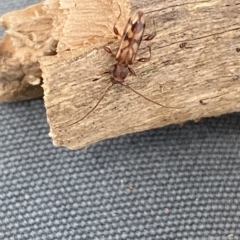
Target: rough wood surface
[28, 37]
[195, 64]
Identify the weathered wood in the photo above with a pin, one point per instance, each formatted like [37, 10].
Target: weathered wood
[195, 65]
[28, 37]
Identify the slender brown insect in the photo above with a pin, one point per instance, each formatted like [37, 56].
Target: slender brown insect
[129, 45]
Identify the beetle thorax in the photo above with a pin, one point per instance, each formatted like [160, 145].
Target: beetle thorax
[119, 72]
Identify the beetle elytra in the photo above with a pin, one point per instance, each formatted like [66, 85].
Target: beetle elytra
[126, 55]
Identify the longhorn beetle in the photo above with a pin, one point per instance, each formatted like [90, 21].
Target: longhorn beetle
[129, 45]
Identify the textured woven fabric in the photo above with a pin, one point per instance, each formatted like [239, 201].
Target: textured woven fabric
[178, 182]
[170, 183]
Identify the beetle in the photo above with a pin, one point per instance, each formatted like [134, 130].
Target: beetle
[126, 55]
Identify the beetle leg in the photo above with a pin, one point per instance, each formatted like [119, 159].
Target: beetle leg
[152, 35]
[108, 49]
[146, 59]
[115, 30]
[132, 72]
[100, 73]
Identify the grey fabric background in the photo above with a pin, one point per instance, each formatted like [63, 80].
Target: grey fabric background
[178, 182]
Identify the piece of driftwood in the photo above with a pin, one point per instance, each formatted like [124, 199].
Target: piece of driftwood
[28, 37]
[195, 65]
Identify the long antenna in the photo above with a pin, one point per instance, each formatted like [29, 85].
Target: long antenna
[148, 99]
[107, 89]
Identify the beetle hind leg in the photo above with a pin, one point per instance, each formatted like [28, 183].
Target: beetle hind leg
[149, 37]
[108, 49]
[147, 58]
[115, 30]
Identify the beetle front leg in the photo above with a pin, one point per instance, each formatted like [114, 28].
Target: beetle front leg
[132, 72]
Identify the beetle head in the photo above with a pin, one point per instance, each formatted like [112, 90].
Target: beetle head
[119, 72]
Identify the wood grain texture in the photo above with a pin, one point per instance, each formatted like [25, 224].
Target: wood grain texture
[194, 65]
[28, 37]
